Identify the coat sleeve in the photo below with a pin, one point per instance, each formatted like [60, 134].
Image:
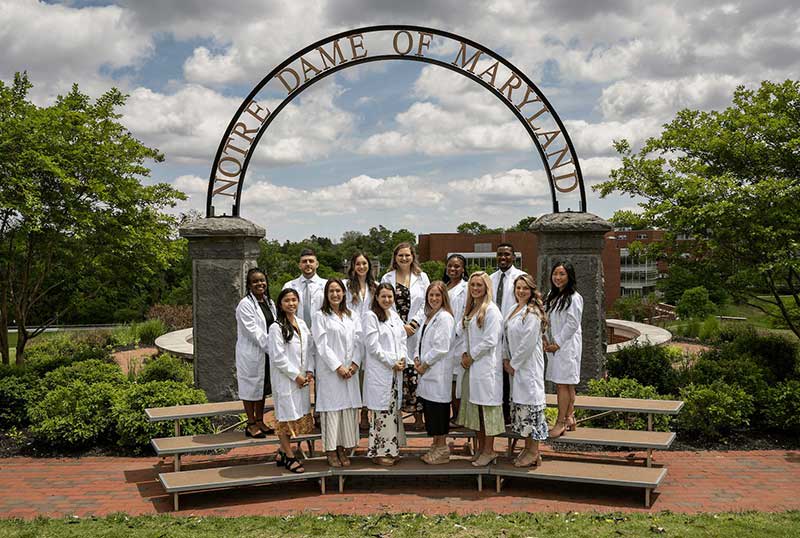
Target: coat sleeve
[530, 328]
[440, 343]
[373, 346]
[279, 353]
[246, 313]
[492, 332]
[358, 341]
[572, 322]
[419, 316]
[325, 355]
[458, 334]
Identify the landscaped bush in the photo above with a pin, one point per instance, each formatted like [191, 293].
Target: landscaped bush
[775, 354]
[709, 330]
[73, 416]
[714, 410]
[149, 330]
[647, 364]
[133, 431]
[625, 388]
[13, 401]
[728, 332]
[694, 303]
[90, 372]
[47, 353]
[782, 407]
[728, 364]
[124, 336]
[166, 367]
[175, 317]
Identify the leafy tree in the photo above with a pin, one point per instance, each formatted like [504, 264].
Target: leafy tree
[434, 269]
[730, 179]
[476, 228]
[622, 218]
[695, 304]
[75, 217]
[523, 225]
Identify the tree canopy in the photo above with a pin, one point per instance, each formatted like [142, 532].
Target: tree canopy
[76, 218]
[730, 179]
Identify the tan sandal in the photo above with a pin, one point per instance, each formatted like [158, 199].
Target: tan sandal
[485, 459]
[384, 461]
[333, 459]
[572, 424]
[344, 459]
[558, 428]
[523, 461]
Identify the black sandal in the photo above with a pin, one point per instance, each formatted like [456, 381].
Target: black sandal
[293, 465]
[280, 458]
[259, 435]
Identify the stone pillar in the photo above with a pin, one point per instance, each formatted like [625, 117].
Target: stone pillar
[222, 249]
[578, 238]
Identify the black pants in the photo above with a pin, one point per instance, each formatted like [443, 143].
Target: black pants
[506, 398]
[437, 417]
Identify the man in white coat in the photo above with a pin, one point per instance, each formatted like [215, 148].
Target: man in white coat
[311, 289]
[503, 296]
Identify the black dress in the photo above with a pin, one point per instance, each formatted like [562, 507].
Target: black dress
[270, 320]
[410, 403]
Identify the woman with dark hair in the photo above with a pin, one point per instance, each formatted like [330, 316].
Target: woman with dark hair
[455, 277]
[482, 391]
[435, 371]
[386, 357]
[360, 284]
[254, 315]
[289, 342]
[523, 360]
[564, 307]
[409, 283]
[337, 336]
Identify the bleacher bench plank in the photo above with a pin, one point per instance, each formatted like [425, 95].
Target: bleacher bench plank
[187, 444]
[618, 438]
[630, 405]
[175, 412]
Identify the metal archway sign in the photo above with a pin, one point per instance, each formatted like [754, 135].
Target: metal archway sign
[389, 42]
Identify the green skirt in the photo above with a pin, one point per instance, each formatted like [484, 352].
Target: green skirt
[469, 414]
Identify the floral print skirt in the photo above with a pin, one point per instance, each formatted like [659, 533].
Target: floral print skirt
[528, 421]
[386, 433]
[293, 428]
[410, 402]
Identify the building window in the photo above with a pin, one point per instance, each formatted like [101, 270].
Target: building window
[485, 261]
[622, 236]
[641, 236]
[483, 247]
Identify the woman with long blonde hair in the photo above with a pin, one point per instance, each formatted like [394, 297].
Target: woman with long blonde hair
[523, 360]
[482, 386]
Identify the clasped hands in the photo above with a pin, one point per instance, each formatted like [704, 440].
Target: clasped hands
[303, 380]
[466, 360]
[420, 366]
[507, 367]
[347, 373]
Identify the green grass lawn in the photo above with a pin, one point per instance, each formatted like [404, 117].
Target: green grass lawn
[520, 525]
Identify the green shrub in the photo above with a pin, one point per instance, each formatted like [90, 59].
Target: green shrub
[166, 367]
[626, 388]
[709, 330]
[647, 364]
[694, 303]
[782, 407]
[726, 363]
[775, 354]
[14, 391]
[149, 330]
[62, 349]
[728, 332]
[73, 416]
[132, 427]
[124, 336]
[90, 372]
[712, 411]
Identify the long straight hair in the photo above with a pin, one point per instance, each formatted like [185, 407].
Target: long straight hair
[377, 308]
[535, 303]
[415, 268]
[327, 308]
[352, 278]
[439, 285]
[561, 299]
[446, 277]
[484, 305]
[287, 329]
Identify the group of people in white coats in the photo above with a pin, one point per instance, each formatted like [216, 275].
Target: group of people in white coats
[469, 350]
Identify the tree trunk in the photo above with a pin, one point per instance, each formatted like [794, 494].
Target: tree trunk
[784, 311]
[22, 340]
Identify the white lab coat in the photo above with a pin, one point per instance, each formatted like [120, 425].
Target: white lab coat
[287, 360]
[252, 342]
[316, 291]
[338, 343]
[509, 301]
[564, 366]
[361, 307]
[417, 286]
[484, 346]
[435, 385]
[385, 345]
[458, 300]
[522, 343]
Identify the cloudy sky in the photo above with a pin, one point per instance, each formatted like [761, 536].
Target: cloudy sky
[403, 144]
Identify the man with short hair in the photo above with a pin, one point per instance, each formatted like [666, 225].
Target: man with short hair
[503, 296]
[311, 289]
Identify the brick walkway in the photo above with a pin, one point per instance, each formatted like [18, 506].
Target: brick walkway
[696, 481]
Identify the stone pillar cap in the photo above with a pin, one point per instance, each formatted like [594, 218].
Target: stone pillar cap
[222, 227]
[571, 222]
